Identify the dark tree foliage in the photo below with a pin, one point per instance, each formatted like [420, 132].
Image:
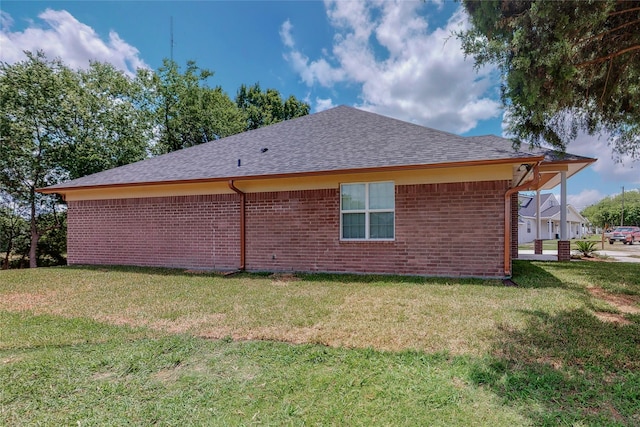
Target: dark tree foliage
[566, 66]
[263, 108]
[14, 230]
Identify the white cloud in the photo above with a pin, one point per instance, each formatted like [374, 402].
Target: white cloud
[323, 104]
[285, 34]
[63, 36]
[6, 21]
[310, 71]
[401, 67]
[585, 198]
[624, 169]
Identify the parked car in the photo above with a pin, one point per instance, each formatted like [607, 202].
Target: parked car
[625, 235]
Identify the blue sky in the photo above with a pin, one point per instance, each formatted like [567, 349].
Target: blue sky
[396, 58]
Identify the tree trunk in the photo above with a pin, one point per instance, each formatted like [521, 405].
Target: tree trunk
[35, 236]
[5, 262]
[33, 256]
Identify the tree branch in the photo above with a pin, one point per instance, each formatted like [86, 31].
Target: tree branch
[608, 57]
[601, 35]
[622, 12]
[604, 89]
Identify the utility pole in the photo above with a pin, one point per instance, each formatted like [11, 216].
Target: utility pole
[171, 32]
[622, 213]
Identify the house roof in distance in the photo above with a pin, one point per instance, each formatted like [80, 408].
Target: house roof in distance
[339, 139]
[528, 204]
[547, 210]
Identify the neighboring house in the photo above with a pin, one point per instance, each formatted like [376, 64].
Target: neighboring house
[342, 190]
[549, 219]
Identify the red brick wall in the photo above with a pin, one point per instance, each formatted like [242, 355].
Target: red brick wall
[441, 229]
[189, 231]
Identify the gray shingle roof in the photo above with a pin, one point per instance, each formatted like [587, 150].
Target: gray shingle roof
[341, 138]
[529, 209]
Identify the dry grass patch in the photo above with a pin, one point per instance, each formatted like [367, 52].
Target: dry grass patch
[612, 318]
[26, 301]
[381, 312]
[627, 304]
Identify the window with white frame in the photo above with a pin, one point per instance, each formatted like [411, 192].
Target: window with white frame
[367, 211]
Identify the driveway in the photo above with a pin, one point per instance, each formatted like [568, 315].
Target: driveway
[624, 253]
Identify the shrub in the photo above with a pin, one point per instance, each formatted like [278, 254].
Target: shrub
[586, 248]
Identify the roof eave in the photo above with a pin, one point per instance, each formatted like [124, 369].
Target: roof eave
[516, 160]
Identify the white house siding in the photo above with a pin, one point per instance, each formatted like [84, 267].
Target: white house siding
[550, 220]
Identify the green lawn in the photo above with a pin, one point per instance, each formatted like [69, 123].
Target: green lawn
[552, 244]
[114, 346]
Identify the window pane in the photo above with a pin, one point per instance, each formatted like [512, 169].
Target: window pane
[381, 195]
[353, 226]
[353, 196]
[381, 225]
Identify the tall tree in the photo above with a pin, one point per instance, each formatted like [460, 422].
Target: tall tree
[32, 110]
[566, 66]
[188, 112]
[111, 124]
[263, 108]
[608, 211]
[57, 123]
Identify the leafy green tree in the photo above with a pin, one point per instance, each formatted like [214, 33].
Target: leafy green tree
[187, 111]
[32, 111]
[57, 123]
[111, 125]
[263, 108]
[608, 211]
[566, 66]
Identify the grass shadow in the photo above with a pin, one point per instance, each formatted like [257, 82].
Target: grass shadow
[614, 277]
[529, 274]
[569, 369]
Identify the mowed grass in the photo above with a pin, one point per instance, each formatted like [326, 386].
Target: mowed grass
[602, 245]
[552, 244]
[114, 346]
[387, 313]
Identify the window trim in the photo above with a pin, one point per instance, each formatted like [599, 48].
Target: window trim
[367, 211]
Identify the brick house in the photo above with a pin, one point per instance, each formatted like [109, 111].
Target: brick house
[342, 190]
